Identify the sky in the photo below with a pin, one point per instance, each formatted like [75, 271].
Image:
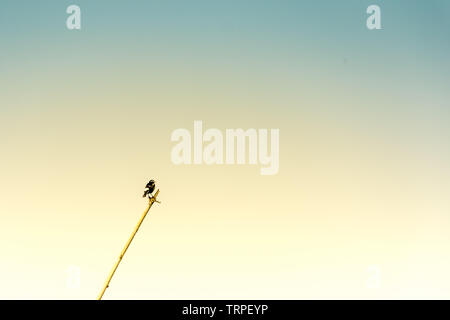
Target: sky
[358, 209]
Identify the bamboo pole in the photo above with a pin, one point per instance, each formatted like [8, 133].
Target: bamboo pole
[150, 203]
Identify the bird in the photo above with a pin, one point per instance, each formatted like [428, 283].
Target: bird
[150, 188]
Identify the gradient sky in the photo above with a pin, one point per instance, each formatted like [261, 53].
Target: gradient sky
[364, 180]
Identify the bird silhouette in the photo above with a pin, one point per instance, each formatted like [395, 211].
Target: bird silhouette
[150, 188]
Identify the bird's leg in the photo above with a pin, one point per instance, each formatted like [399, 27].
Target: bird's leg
[152, 197]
